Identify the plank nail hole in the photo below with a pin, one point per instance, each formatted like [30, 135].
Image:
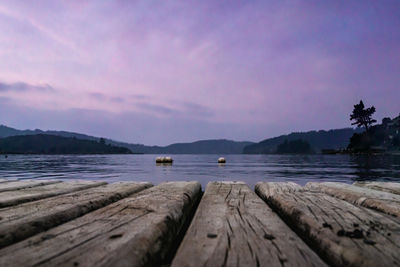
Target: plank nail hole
[210, 235]
[282, 261]
[340, 232]
[327, 225]
[49, 236]
[369, 242]
[352, 234]
[116, 236]
[269, 237]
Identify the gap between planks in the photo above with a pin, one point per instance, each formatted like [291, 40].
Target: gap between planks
[20, 184]
[362, 196]
[390, 187]
[11, 198]
[344, 234]
[234, 227]
[24, 220]
[138, 230]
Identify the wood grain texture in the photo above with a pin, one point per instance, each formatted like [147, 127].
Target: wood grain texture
[369, 198]
[20, 184]
[234, 227]
[389, 187]
[22, 221]
[11, 198]
[342, 233]
[135, 231]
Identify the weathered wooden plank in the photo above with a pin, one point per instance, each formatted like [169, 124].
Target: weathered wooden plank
[20, 184]
[25, 220]
[11, 198]
[389, 187]
[234, 227]
[135, 231]
[369, 198]
[342, 233]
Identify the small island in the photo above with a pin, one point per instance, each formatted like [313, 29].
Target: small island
[379, 138]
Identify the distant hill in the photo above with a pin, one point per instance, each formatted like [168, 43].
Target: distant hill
[221, 146]
[332, 139]
[8, 131]
[51, 144]
[294, 147]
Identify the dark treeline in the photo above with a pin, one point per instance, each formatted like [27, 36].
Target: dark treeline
[318, 140]
[50, 144]
[294, 147]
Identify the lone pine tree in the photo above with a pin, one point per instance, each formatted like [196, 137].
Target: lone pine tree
[362, 116]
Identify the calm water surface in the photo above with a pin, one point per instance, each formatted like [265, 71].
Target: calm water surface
[203, 168]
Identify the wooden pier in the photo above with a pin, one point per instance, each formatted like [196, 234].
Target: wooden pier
[87, 223]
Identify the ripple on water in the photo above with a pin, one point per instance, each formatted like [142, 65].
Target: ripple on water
[203, 168]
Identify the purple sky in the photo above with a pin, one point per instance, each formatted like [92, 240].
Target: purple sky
[158, 72]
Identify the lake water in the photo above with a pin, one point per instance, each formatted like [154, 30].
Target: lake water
[203, 168]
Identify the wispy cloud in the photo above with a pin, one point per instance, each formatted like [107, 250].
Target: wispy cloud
[197, 109]
[106, 98]
[20, 87]
[97, 96]
[155, 108]
[45, 31]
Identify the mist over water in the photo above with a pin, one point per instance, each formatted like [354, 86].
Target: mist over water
[204, 168]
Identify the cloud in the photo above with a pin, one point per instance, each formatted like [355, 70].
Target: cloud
[5, 100]
[20, 87]
[156, 109]
[105, 98]
[97, 95]
[197, 109]
[45, 31]
[117, 99]
[139, 96]
[182, 110]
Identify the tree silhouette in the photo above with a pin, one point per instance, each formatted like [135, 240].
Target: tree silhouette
[298, 146]
[362, 116]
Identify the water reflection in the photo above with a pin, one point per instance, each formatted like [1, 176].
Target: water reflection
[204, 168]
[378, 167]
